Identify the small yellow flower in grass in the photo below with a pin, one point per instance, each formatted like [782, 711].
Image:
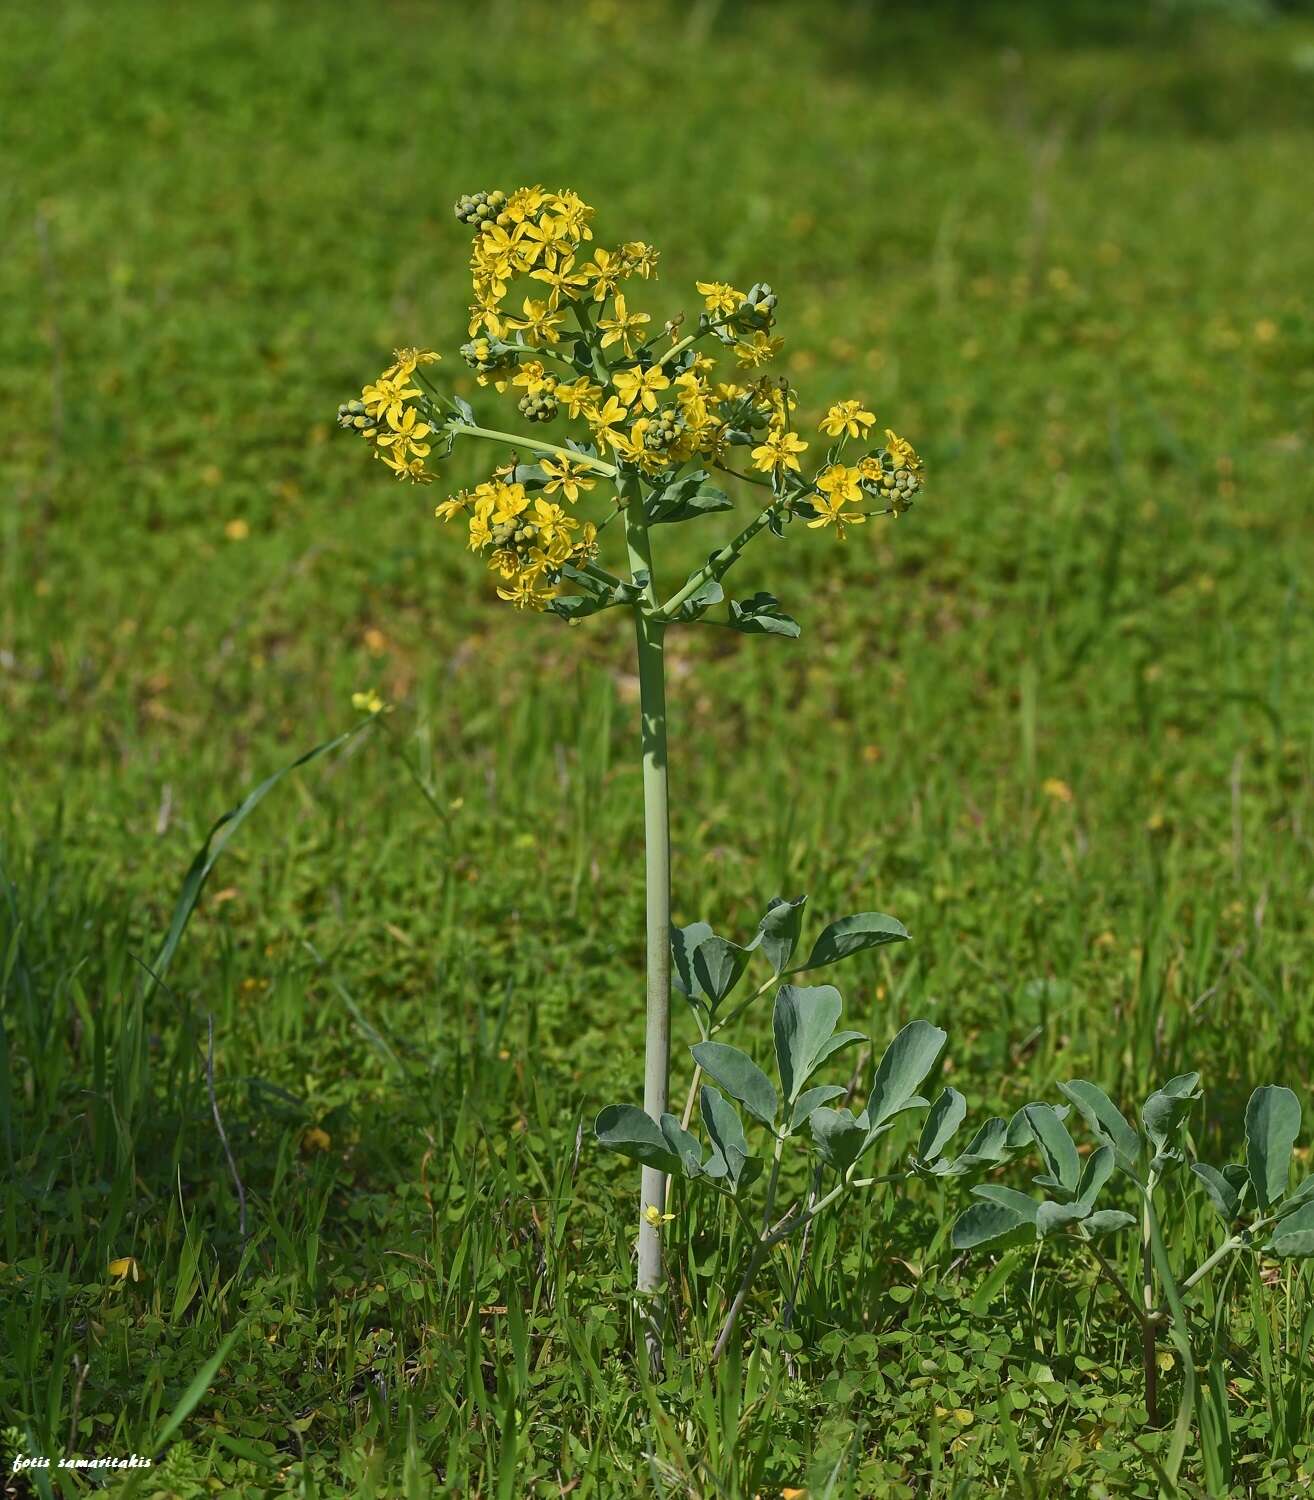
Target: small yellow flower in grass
[125, 1268]
[566, 476]
[624, 327]
[655, 1217]
[367, 702]
[847, 419]
[237, 530]
[1060, 791]
[719, 296]
[315, 1139]
[641, 386]
[779, 451]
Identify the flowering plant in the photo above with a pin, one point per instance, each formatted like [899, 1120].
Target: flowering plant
[650, 421]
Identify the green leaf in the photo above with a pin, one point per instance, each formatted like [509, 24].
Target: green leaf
[762, 615]
[1272, 1125]
[1096, 1172]
[740, 1077]
[908, 1059]
[684, 944]
[987, 1146]
[1293, 1238]
[982, 1223]
[1026, 1208]
[811, 1099]
[685, 499]
[840, 1040]
[1051, 1216]
[1106, 1120]
[1164, 1115]
[1056, 1146]
[777, 932]
[718, 965]
[1225, 1198]
[840, 1137]
[729, 1158]
[700, 601]
[803, 1020]
[1107, 1221]
[947, 1114]
[627, 1130]
[593, 594]
[1296, 1197]
[865, 929]
[684, 1144]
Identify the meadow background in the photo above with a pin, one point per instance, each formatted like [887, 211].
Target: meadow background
[1057, 720]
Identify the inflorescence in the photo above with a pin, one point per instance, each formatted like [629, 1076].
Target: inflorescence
[638, 408]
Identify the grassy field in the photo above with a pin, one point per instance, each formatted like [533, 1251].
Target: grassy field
[1057, 720]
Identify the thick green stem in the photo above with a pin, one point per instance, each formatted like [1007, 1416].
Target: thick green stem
[657, 849]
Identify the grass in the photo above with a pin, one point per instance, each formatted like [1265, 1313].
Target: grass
[1057, 720]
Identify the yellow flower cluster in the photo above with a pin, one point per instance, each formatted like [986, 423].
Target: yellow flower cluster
[384, 417]
[527, 541]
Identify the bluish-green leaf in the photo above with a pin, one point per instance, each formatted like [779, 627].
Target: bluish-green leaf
[1106, 1120]
[718, 966]
[1051, 1216]
[1272, 1125]
[1107, 1221]
[803, 1020]
[700, 601]
[1164, 1114]
[855, 934]
[947, 1114]
[1296, 1197]
[984, 1222]
[1055, 1145]
[740, 1077]
[626, 1129]
[811, 1099]
[777, 932]
[685, 499]
[1096, 1172]
[840, 1138]
[1025, 1207]
[987, 1146]
[762, 615]
[684, 1145]
[729, 1158]
[908, 1059]
[1293, 1237]
[684, 944]
[1221, 1193]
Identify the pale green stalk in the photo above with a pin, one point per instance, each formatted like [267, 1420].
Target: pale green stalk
[718, 564]
[518, 440]
[650, 634]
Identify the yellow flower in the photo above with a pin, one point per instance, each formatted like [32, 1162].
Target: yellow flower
[367, 702]
[387, 395]
[641, 386]
[125, 1267]
[406, 361]
[509, 501]
[539, 323]
[719, 296]
[605, 270]
[758, 349]
[406, 433]
[566, 476]
[525, 593]
[779, 451]
[316, 1139]
[454, 505]
[532, 377]
[1060, 791]
[640, 259]
[838, 487]
[847, 418]
[563, 278]
[237, 530]
[406, 468]
[902, 452]
[655, 1217]
[624, 326]
[553, 523]
[576, 395]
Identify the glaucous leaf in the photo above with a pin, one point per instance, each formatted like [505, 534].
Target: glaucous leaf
[1051, 1216]
[855, 934]
[684, 1144]
[947, 1114]
[777, 932]
[908, 1059]
[1221, 1193]
[1272, 1125]
[1055, 1145]
[1293, 1236]
[626, 1129]
[740, 1077]
[1096, 1172]
[684, 944]
[1165, 1112]
[839, 1136]
[700, 601]
[1107, 1221]
[803, 1020]
[685, 499]
[984, 1222]
[811, 1099]
[718, 965]
[1106, 1120]
[1026, 1208]
[762, 615]
[729, 1157]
